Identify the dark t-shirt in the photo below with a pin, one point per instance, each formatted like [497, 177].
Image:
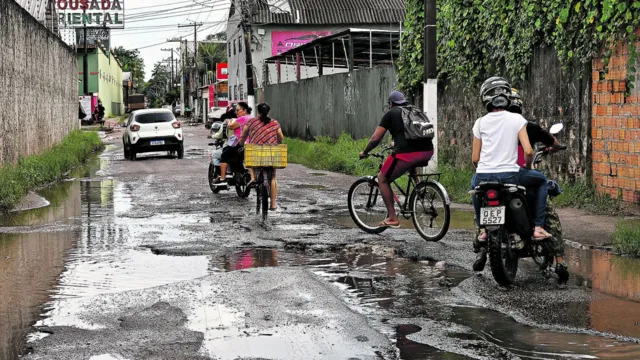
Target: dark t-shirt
[392, 121]
[538, 135]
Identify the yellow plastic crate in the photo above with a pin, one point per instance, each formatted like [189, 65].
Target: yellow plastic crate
[265, 156]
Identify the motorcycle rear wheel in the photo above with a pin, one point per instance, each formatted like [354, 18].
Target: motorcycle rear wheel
[214, 172]
[502, 259]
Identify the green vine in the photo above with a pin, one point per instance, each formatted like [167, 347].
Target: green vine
[477, 38]
[411, 63]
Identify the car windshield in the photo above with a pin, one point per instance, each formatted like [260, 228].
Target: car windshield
[156, 117]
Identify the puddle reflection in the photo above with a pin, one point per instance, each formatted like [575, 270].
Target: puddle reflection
[615, 283]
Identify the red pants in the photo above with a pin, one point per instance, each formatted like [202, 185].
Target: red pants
[398, 164]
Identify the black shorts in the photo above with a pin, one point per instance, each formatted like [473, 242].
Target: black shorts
[231, 155]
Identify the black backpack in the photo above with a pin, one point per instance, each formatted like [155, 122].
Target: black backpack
[416, 124]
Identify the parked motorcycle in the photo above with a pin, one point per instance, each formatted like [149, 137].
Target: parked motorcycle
[237, 175]
[507, 213]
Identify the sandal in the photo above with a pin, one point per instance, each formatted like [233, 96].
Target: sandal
[541, 235]
[388, 225]
[483, 236]
[251, 184]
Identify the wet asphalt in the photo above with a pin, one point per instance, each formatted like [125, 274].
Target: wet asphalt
[161, 268]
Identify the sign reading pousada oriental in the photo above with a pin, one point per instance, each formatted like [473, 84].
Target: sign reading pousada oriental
[93, 13]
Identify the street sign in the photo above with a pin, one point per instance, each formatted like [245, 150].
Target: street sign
[92, 13]
[93, 35]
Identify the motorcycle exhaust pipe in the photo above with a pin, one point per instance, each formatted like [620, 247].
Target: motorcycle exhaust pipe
[519, 216]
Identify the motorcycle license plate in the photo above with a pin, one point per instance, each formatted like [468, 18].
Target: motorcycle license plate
[492, 215]
[157, 142]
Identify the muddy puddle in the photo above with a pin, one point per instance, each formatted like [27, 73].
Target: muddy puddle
[412, 293]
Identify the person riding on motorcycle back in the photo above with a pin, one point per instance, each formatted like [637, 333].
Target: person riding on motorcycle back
[495, 151]
[539, 135]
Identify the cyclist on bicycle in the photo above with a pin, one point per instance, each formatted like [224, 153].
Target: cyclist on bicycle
[406, 153]
[264, 130]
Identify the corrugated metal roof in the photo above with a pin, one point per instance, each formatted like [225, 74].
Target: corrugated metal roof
[331, 12]
[37, 8]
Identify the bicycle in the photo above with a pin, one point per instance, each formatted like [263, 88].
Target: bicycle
[421, 188]
[264, 159]
[263, 190]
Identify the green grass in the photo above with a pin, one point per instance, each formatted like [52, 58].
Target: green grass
[627, 237]
[37, 170]
[341, 156]
[582, 196]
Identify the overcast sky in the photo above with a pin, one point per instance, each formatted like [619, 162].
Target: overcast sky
[150, 22]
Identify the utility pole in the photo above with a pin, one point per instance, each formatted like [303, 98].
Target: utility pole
[85, 58]
[172, 78]
[246, 29]
[431, 74]
[182, 52]
[195, 54]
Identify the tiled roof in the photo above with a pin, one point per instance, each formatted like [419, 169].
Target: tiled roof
[329, 11]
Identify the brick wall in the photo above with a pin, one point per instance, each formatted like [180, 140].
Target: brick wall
[615, 128]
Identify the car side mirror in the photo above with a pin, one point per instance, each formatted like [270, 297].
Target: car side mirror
[556, 128]
[208, 126]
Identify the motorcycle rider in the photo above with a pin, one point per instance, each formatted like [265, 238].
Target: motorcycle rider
[495, 152]
[539, 135]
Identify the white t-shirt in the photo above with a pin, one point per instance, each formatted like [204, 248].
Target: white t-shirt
[499, 134]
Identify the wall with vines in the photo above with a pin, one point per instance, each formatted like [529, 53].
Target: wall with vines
[477, 38]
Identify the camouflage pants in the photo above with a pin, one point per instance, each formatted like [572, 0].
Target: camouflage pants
[552, 225]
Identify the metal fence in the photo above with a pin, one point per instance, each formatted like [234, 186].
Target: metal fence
[329, 105]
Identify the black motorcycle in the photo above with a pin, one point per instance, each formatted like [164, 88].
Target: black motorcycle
[237, 175]
[507, 212]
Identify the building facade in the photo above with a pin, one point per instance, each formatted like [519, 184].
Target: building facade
[105, 79]
[275, 26]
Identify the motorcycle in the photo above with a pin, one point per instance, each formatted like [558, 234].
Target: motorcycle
[507, 212]
[237, 175]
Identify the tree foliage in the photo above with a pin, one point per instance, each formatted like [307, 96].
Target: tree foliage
[477, 38]
[159, 85]
[132, 61]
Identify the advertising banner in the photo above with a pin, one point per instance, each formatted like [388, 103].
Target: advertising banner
[212, 97]
[283, 41]
[93, 35]
[94, 13]
[222, 71]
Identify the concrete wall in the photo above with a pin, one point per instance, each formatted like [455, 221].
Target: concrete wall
[616, 128]
[38, 75]
[549, 97]
[329, 105]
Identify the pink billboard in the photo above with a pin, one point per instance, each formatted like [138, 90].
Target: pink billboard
[282, 41]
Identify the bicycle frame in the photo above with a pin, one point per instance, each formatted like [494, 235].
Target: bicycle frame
[414, 180]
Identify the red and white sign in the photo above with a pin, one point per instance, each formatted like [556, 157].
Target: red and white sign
[283, 41]
[222, 71]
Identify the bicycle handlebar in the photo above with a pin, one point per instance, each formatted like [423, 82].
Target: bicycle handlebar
[380, 154]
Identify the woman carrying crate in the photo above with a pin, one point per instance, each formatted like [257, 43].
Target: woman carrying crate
[263, 130]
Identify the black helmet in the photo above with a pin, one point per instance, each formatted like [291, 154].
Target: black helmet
[516, 101]
[495, 92]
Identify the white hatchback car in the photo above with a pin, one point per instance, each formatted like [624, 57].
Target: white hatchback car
[151, 130]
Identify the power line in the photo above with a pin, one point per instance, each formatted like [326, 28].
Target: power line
[164, 42]
[164, 16]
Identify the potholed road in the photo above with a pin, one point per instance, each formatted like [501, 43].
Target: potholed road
[139, 260]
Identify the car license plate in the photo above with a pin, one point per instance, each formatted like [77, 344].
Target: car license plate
[492, 215]
[157, 142]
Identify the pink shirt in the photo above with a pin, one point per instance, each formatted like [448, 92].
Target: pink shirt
[242, 121]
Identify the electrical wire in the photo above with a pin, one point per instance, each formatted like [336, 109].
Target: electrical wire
[164, 42]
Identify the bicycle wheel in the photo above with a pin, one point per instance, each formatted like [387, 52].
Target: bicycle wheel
[429, 211]
[366, 206]
[241, 184]
[266, 193]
